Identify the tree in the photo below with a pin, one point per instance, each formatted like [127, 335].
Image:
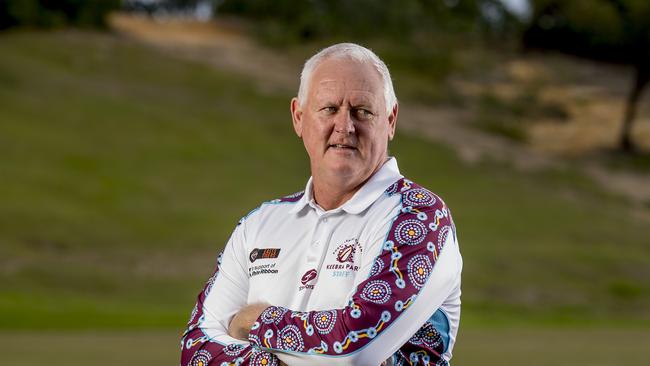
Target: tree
[613, 31]
[52, 13]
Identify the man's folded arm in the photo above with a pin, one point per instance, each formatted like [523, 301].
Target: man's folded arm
[206, 341]
[419, 264]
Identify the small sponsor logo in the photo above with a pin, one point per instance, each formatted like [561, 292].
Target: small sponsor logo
[268, 268]
[308, 277]
[264, 253]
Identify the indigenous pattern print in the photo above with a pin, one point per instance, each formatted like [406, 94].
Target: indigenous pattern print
[273, 315]
[208, 286]
[234, 349]
[424, 348]
[419, 269]
[324, 321]
[198, 350]
[261, 358]
[427, 336]
[410, 251]
[418, 197]
[295, 197]
[377, 291]
[418, 358]
[410, 232]
[377, 267]
[201, 358]
[290, 339]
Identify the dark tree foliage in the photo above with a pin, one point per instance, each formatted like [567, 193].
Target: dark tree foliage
[150, 8]
[613, 31]
[52, 13]
[400, 19]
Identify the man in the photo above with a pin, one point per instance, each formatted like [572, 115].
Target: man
[362, 268]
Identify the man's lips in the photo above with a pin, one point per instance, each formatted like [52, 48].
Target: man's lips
[342, 146]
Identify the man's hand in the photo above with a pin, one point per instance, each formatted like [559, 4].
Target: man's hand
[241, 323]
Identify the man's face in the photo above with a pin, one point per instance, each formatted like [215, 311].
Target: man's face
[344, 124]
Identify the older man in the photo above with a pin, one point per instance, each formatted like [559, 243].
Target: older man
[361, 268]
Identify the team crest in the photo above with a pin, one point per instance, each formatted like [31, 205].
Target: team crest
[346, 252]
[345, 256]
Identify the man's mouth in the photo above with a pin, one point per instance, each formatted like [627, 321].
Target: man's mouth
[342, 146]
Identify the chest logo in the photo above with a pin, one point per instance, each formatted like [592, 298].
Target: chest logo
[345, 255]
[265, 253]
[346, 252]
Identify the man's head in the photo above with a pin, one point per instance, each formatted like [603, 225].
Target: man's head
[345, 112]
[350, 51]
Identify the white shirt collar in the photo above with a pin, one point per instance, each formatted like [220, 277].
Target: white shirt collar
[364, 197]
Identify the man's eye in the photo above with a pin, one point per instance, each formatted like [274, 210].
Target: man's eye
[362, 114]
[329, 110]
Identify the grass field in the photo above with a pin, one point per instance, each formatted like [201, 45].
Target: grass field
[509, 346]
[122, 172]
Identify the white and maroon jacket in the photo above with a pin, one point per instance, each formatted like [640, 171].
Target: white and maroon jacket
[376, 279]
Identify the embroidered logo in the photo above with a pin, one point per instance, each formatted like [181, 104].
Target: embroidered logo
[264, 253]
[345, 255]
[345, 252]
[308, 277]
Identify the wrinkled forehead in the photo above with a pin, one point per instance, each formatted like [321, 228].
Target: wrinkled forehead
[333, 90]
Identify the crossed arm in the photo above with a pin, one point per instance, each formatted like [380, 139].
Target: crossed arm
[408, 281]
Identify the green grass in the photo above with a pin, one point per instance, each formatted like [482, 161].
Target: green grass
[122, 172]
[482, 346]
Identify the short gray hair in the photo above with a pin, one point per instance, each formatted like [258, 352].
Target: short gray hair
[355, 52]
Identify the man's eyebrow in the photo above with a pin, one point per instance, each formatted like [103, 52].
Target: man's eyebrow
[362, 103]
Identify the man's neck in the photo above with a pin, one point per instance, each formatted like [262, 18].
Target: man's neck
[332, 195]
[331, 192]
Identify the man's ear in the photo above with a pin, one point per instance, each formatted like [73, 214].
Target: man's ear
[296, 116]
[392, 122]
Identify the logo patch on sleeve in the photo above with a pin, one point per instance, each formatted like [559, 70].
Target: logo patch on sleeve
[265, 253]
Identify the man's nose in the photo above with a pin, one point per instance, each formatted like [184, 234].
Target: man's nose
[344, 123]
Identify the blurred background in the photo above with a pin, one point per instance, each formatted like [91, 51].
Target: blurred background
[135, 134]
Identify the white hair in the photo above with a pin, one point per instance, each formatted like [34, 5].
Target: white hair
[355, 52]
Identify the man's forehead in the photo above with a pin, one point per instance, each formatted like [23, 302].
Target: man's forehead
[351, 83]
[348, 70]
[357, 84]
[329, 89]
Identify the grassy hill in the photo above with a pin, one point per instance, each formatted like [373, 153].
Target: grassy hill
[123, 170]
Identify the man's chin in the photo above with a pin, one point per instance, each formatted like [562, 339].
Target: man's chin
[350, 170]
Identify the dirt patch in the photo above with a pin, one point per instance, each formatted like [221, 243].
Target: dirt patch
[452, 127]
[221, 43]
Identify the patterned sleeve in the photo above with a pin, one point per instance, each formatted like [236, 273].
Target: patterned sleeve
[427, 345]
[206, 342]
[409, 280]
